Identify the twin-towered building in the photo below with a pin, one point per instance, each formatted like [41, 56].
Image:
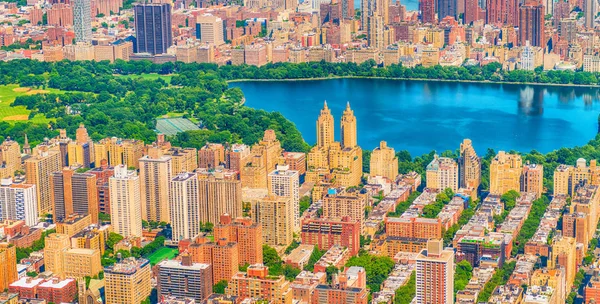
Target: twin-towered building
[342, 160]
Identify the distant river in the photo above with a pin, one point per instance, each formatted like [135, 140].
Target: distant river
[421, 116]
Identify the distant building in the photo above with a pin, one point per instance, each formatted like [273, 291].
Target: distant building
[153, 28]
[82, 21]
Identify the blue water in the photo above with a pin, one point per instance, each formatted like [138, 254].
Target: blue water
[411, 5]
[421, 116]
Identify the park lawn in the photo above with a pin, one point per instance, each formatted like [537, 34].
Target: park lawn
[149, 76]
[181, 114]
[8, 93]
[161, 254]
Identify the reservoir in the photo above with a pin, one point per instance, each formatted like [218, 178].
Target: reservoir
[421, 116]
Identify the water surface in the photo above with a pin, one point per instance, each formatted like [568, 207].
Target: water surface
[420, 116]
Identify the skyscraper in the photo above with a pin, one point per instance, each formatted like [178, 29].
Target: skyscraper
[469, 166]
[155, 175]
[285, 182]
[531, 23]
[427, 8]
[325, 128]
[384, 162]
[37, 172]
[435, 274]
[153, 28]
[74, 192]
[184, 206]
[82, 20]
[447, 8]
[125, 210]
[589, 12]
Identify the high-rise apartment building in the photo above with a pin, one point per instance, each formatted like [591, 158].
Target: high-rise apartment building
[184, 279]
[219, 192]
[427, 8]
[74, 193]
[209, 29]
[502, 12]
[153, 31]
[222, 255]
[125, 211]
[442, 173]
[531, 23]
[155, 175]
[82, 20]
[55, 247]
[211, 156]
[246, 233]
[384, 162]
[80, 151]
[343, 160]
[10, 158]
[469, 166]
[8, 265]
[60, 14]
[532, 179]
[339, 203]
[119, 151]
[435, 274]
[325, 233]
[505, 173]
[37, 172]
[184, 206]
[127, 282]
[276, 215]
[18, 202]
[285, 182]
[82, 262]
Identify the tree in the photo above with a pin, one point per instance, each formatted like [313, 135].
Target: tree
[406, 293]
[377, 268]
[462, 275]
[220, 287]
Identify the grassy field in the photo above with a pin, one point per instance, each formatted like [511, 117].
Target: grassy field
[8, 93]
[162, 254]
[150, 76]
